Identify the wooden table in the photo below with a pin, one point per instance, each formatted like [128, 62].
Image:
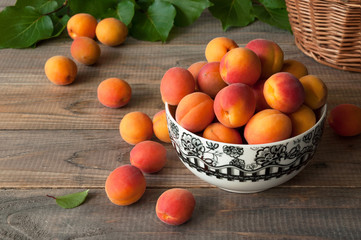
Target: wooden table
[59, 139]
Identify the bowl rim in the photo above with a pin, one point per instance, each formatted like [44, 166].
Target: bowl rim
[323, 112]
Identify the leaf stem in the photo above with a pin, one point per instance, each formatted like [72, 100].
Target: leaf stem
[50, 196]
[59, 8]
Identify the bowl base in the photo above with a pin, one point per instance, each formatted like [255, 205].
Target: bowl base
[234, 191]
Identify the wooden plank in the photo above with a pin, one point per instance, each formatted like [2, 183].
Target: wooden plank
[84, 158]
[281, 213]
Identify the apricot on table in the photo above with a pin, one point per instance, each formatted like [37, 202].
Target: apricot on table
[176, 83]
[175, 206]
[148, 156]
[125, 185]
[284, 92]
[266, 126]
[60, 70]
[240, 65]
[294, 67]
[234, 105]
[315, 91]
[210, 80]
[85, 50]
[81, 25]
[195, 112]
[218, 47]
[345, 119]
[114, 92]
[302, 120]
[270, 54]
[218, 132]
[111, 32]
[160, 127]
[136, 127]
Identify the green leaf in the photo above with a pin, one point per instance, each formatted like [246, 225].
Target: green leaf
[232, 13]
[275, 17]
[43, 6]
[273, 3]
[97, 8]
[188, 10]
[23, 27]
[125, 11]
[154, 24]
[71, 200]
[59, 24]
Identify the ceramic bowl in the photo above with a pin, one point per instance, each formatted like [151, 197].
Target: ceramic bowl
[244, 168]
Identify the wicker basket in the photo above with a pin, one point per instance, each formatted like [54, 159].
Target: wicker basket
[329, 31]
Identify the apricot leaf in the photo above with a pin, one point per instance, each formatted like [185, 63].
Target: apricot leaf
[43, 6]
[277, 17]
[232, 13]
[23, 27]
[188, 10]
[71, 200]
[97, 8]
[155, 23]
[125, 11]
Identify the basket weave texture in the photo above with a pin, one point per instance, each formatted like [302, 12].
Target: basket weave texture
[329, 31]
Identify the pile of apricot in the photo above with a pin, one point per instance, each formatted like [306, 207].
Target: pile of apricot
[244, 94]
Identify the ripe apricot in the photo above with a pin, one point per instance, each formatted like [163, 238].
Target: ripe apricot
[176, 83]
[125, 185]
[195, 112]
[175, 206]
[111, 32]
[85, 50]
[136, 127]
[234, 105]
[160, 127]
[114, 92]
[294, 67]
[270, 54]
[81, 25]
[240, 65]
[261, 102]
[218, 132]
[284, 92]
[60, 70]
[266, 126]
[345, 119]
[315, 91]
[302, 120]
[194, 69]
[218, 47]
[148, 156]
[209, 79]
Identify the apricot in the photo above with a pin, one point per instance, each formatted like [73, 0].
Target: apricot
[218, 132]
[148, 156]
[257, 88]
[114, 92]
[136, 127]
[266, 126]
[234, 105]
[194, 69]
[270, 54]
[176, 83]
[210, 80]
[125, 185]
[60, 70]
[345, 119]
[81, 25]
[315, 91]
[302, 120]
[294, 67]
[195, 111]
[218, 47]
[175, 206]
[284, 92]
[240, 65]
[85, 50]
[111, 32]
[160, 127]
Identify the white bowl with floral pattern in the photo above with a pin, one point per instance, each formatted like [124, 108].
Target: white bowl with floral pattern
[244, 168]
